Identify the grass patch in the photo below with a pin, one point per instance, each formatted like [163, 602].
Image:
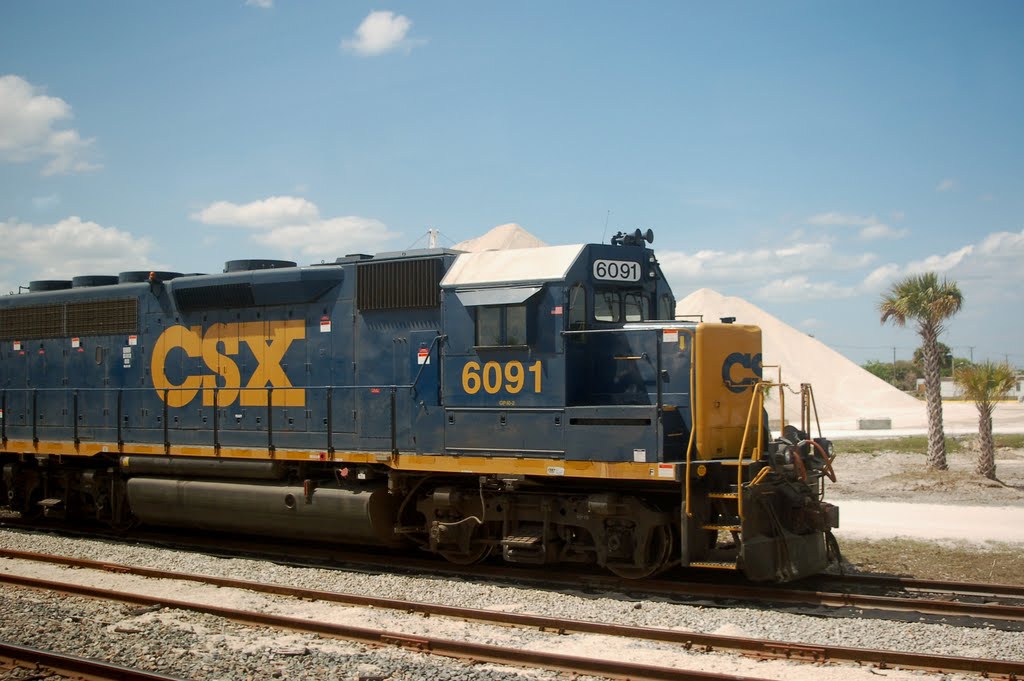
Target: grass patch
[997, 563]
[1015, 441]
[918, 444]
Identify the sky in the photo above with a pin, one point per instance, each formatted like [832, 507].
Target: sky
[801, 155]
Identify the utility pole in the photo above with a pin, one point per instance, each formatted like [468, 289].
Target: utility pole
[894, 365]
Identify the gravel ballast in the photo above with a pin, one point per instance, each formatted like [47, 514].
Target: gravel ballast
[200, 646]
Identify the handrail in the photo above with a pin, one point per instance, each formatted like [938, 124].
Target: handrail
[756, 397]
[693, 414]
[439, 337]
[34, 395]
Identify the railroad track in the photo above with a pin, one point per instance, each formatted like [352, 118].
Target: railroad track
[763, 649]
[967, 604]
[46, 663]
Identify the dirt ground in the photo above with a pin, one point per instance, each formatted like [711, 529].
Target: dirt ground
[903, 476]
[888, 475]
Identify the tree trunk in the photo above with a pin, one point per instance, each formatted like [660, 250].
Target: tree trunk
[933, 398]
[986, 457]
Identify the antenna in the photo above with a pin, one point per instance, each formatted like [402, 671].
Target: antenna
[432, 238]
[607, 215]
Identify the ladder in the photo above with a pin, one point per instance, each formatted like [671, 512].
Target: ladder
[729, 501]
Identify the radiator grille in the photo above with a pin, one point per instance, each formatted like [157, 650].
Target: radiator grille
[67, 320]
[102, 317]
[399, 284]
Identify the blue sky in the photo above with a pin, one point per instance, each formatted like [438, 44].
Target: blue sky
[801, 155]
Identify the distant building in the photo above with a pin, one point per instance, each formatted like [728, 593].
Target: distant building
[951, 391]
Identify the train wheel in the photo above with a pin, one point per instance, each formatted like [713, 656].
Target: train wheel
[480, 547]
[658, 556]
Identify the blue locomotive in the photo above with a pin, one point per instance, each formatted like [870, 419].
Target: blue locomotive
[540, 403]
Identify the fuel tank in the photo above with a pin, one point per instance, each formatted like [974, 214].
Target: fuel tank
[364, 516]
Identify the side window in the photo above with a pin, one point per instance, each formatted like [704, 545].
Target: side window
[501, 325]
[607, 306]
[488, 325]
[515, 325]
[633, 307]
[577, 308]
[666, 308]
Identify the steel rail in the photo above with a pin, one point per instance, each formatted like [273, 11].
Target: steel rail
[689, 640]
[930, 585]
[516, 657]
[72, 665]
[794, 595]
[837, 599]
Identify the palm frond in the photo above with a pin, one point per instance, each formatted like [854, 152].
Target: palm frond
[986, 383]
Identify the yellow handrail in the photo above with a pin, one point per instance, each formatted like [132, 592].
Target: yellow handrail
[693, 414]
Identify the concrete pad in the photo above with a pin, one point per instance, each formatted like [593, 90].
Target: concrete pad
[882, 519]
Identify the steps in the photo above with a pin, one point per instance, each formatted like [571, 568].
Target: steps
[724, 514]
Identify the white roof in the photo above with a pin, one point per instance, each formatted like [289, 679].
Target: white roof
[512, 266]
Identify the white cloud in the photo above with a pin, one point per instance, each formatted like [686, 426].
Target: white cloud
[871, 227]
[27, 132]
[328, 239]
[1003, 245]
[800, 287]
[292, 226]
[832, 218]
[274, 211]
[752, 266]
[882, 231]
[947, 185]
[881, 276]
[44, 202]
[381, 31]
[69, 248]
[262, 4]
[939, 263]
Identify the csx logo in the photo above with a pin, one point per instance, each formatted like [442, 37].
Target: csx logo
[744, 361]
[268, 342]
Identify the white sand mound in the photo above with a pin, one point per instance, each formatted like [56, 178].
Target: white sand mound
[501, 238]
[843, 391]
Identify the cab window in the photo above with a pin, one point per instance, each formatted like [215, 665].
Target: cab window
[611, 305]
[501, 325]
[633, 307]
[666, 307]
[577, 308]
[607, 306]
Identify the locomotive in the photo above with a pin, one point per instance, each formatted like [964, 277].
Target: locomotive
[544, 404]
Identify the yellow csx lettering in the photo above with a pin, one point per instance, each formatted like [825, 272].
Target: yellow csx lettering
[268, 342]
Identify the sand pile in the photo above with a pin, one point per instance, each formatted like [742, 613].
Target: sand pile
[500, 238]
[843, 391]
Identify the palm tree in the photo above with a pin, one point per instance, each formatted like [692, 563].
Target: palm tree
[985, 384]
[929, 302]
